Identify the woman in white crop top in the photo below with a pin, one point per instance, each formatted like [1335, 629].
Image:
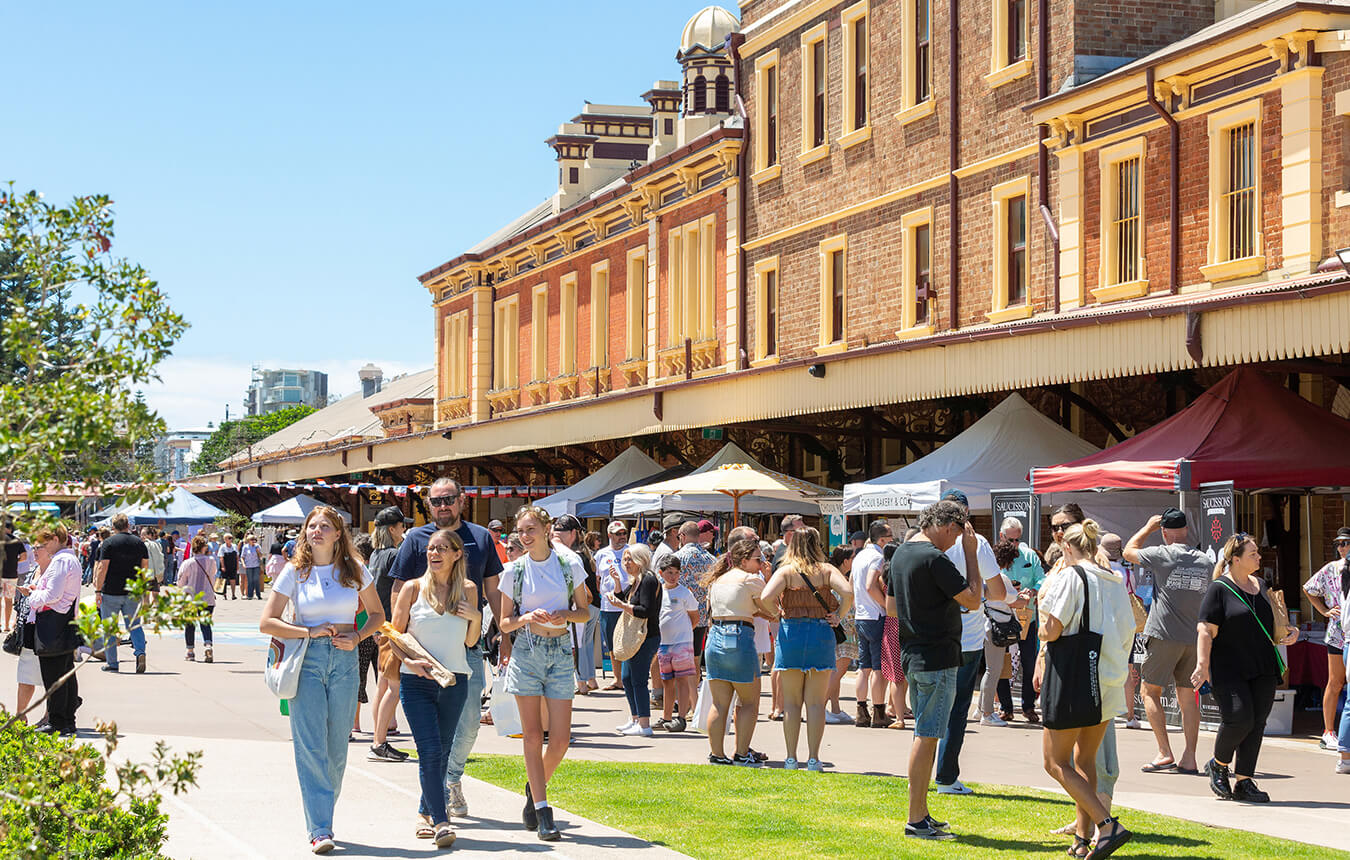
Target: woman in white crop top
[326, 584]
[537, 605]
[440, 611]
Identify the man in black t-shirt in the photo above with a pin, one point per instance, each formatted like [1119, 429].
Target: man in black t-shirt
[928, 593]
[120, 558]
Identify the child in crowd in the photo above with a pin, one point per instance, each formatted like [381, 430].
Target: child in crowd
[675, 656]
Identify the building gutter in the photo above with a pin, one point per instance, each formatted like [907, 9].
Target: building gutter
[1173, 188]
[734, 42]
[953, 162]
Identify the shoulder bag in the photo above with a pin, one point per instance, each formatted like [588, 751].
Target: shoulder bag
[1071, 694]
[839, 635]
[1003, 631]
[54, 633]
[1279, 658]
[630, 631]
[285, 657]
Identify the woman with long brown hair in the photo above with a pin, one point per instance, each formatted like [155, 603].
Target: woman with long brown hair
[325, 583]
[812, 595]
[734, 586]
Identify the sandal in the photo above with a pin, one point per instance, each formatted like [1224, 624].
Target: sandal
[1107, 845]
[615, 686]
[898, 724]
[445, 836]
[1080, 847]
[191, 658]
[1159, 767]
[425, 830]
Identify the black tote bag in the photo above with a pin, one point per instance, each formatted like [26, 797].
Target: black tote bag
[1071, 692]
[54, 633]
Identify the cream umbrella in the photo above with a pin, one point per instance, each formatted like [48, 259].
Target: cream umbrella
[738, 480]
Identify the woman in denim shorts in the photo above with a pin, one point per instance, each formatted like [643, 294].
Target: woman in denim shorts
[812, 595]
[734, 586]
[538, 603]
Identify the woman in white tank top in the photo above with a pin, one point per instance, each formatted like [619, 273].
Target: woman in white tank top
[440, 611]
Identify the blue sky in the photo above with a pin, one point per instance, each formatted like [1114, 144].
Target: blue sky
[286, 170]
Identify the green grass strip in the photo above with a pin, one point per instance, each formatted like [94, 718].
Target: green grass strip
[711, 812]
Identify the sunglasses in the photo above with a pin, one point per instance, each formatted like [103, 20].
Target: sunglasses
[1059, 527]
[1343, 543]
[443, 501]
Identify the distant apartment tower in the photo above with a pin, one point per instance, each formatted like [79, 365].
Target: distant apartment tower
[273, 390]
[176, 450]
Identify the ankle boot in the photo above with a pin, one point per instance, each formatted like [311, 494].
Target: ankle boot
[548, 831]
[864, 719]
[879, 718]
[529, 815]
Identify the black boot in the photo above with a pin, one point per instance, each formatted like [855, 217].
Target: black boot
[1218, 780]
[879, 718]
[864, 718]
[1246, 792]
[548, 831]
[529, 815]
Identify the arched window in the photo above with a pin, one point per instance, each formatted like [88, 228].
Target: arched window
[700, 94]
[722, 88]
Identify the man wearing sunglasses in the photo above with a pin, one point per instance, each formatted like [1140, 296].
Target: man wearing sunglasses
[446, 500]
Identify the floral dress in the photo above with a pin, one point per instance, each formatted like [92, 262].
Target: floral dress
[891, 668]
[1326, 584]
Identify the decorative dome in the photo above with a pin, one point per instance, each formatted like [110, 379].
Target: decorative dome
[708, 29]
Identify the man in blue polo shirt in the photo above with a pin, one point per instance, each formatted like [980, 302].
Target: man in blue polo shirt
[484, 568]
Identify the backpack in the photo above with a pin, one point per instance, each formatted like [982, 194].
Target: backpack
[519, 575]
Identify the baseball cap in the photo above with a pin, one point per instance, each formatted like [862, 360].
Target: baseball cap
[1173, 519]
[617, 527]
[672, 521]
[494, 525]
[706, 526]
[957, 496]
[391, 516]
[567, 523]
[857, 536]
[1343, 533]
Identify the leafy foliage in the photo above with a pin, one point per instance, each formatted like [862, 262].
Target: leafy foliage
[231, 437]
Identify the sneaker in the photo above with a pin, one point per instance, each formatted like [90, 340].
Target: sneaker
[384, 752]
[714, 758]
[925, 830]
[756, 755]
[747, 760]
[1245, 791]
[1343, 766]
[210, 656]
[321, 844]
[191, 658]
[940, 825]
[834, 719]
[676, 725]
[1329, 741]
[1132, 723]
[140, 664]
[661, 725]
[109, 668]
[814, 765]
[957, 787]
[626, 726]
[454, 799]
[789, 763]
[993, 720]
[637, 731]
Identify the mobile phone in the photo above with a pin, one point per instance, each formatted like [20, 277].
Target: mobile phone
[1204, 689]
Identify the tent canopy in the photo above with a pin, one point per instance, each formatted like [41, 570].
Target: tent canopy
[603, 505]
[993, 453]
[633, 503]
[1246, 429]
[293, 511]
[630, 467]
[183, 508]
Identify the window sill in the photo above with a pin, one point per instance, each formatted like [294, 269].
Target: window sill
[766, 361]
[1231, 269]
[1116, 292]
[916, 112]
[832, 348]
[759, 177]
[1017, 312]
[1342, 199]
[914, 332]
[857, 136]
[1009, 73]
[811, 156]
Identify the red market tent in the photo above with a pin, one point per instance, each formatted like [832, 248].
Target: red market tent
[1246, 429]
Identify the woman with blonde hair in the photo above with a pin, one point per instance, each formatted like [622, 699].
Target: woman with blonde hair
[324, 583]
[542, 592]
[641, 600]
[1083, 599]
[54, 593]
[734, 586]
[440, 611]
[1237, 654]
[812, 594]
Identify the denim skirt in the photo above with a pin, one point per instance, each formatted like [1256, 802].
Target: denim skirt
[730, 653]
[806, 644]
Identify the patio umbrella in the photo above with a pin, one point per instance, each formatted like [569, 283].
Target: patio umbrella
[738, 480]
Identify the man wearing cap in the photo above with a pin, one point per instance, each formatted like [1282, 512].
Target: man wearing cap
[948, 772]
[707, 535]
[670, 538]
[612, 578]
[1181, 575]
[390, 527]
[1028, 574]
[869, 606]
[498, 538]
[567, 539]
[790, 524]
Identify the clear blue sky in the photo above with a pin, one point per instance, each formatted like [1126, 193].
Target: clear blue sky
[286, 170]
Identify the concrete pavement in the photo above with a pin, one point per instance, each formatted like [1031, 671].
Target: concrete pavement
[248, 803]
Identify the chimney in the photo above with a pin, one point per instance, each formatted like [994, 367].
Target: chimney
[372, 379]
[664, 98]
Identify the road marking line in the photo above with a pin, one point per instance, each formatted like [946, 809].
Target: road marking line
[244, 849]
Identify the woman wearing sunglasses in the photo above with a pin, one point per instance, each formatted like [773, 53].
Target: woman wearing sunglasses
[1324, 590]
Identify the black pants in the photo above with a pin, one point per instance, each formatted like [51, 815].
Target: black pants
[1243, 708]
[1027, 654]
[62, 702]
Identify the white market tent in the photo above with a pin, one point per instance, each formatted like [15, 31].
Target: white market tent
[293, 511]
[637, 504]
[182, 508]
[997, 452]
[627, 468]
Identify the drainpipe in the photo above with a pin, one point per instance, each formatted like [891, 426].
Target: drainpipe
[734, 41]
[1042, 154]
[1173, 184]
[953, 161]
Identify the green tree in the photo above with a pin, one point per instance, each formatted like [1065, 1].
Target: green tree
[231, 437]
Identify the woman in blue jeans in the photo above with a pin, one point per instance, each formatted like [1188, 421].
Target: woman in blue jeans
[641, 600]
[440, 611]
[326, 583]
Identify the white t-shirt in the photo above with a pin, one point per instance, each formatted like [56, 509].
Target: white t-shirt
[319, 598]
[542, 585]
[676, 604]
[972, 622]
[1061, 596]
[608, 559]
[868, 559]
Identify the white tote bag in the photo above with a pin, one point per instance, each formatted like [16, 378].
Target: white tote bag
[284, 658]
[703, 709]
[502, 706]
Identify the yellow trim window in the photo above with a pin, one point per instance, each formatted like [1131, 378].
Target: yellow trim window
[857, 120]
[1009, 54]
[1121, 228]
[916, 60]
[1235, 243]
[539, 334]
[567, 325]
[833, 292]
[455, 349]
[815, 97]
[505, 343]
[1011, 266]
[766, 132]
[636, 304]
[916, 304]
[766, 308]
[600, 314]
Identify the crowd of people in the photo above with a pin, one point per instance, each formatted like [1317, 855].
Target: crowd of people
[927, 620]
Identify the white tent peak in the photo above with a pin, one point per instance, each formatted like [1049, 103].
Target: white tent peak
[630, 466]
[293, 511]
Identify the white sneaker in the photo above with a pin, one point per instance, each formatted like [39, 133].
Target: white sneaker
[993, 720]
[454, 801]
[636, 730]
[1329, 741]
[957, 787]
[835, 719]
[1131, 723]
[1343, 766]
[626, 726]
[789, 763]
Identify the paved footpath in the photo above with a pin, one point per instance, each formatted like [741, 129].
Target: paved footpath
[248, 802]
